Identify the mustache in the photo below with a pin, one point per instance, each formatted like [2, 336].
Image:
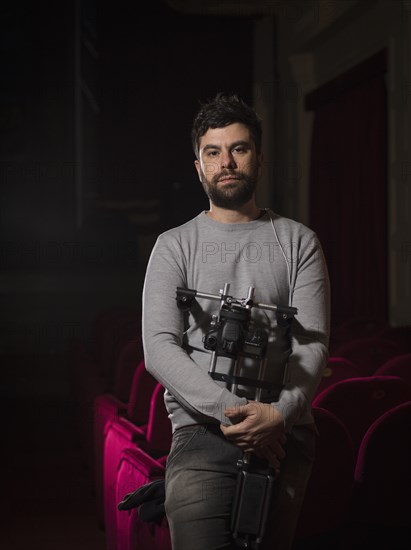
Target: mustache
[224, 174]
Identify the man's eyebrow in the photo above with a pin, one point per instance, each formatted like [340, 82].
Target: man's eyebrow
[210, 146]
[241, 142]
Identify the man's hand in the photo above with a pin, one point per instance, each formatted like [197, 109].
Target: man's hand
[259, 429]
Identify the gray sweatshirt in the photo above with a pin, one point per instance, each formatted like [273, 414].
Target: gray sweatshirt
[283, 261]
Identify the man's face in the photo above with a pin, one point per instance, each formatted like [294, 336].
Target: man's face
[228, 165]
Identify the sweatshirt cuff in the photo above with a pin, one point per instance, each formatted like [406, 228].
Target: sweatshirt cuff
[291, 405]
[216, 410]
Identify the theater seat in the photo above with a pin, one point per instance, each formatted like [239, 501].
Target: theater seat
[353, 329]
[325, 508]
[121, 434]
[358, 402]
[107, 408]
[136, 469]
[368, 353]
[94, 363]
[397, 366]
[337, 369]
[381, 507]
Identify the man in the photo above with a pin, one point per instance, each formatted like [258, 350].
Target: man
[239, 243]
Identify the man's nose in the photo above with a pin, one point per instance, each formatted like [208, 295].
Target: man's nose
[227, 161]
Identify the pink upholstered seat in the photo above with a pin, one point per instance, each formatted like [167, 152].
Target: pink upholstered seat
[353, 329]
[137, 468]
[381, 506]
[107, 408]
[397, 366]
[94, 362]
[368, 353]
[121, 434]
[338, 368]
[358, 402]
[325, 507]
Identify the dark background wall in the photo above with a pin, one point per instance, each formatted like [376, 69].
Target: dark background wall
[96, 106]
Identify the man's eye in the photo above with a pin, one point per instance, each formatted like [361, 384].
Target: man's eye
[239, 150]
[212, 153]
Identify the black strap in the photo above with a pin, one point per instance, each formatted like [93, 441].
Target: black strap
[244, 381]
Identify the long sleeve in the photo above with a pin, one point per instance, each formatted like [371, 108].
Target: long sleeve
[310, 293]
[163, 333]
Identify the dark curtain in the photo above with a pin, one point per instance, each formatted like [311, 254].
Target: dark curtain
[348, 189]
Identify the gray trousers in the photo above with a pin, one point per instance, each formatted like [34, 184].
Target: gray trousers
[201, 478]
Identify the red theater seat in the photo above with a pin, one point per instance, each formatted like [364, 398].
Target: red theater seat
[397, 366]
[358, 402]
[121, 434]
[353, 329]
[325, 508]
[107, 408]
[337, 369]
[111, 330]
[136, 469]
[368, 353]
[381, 508]
[94, 366]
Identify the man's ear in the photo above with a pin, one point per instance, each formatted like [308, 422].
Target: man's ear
[198, 168]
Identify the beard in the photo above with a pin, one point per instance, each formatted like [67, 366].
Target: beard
[230, 195]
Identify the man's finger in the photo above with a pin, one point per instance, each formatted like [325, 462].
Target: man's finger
[233, 430]
[235, 411]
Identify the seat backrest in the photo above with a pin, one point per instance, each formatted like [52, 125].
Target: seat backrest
[142, 388]
[338, 368]
[383, 472]
[159, 425]
[368, 353]
[120, 435]
[397, 366]
[358, 402]
[326, 501]
[128, 362]
[136, 469]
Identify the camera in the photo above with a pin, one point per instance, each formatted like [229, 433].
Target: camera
[231, 337]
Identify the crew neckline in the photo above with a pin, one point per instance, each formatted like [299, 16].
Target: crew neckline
[252, 224]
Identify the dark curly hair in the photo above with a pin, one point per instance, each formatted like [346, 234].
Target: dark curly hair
[221, 111]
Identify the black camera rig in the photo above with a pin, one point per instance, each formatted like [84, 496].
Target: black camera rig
[230, 336]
